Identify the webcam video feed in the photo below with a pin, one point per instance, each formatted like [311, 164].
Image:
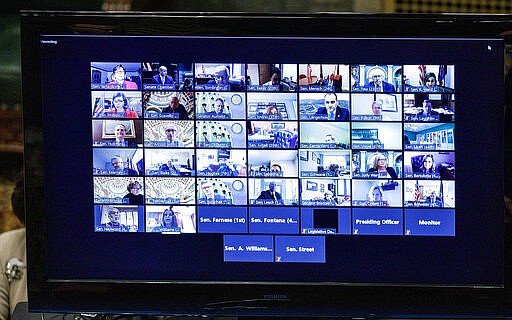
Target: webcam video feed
[236, 147]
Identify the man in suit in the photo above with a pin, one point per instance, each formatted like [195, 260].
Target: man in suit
[433, 200]
[162, 77]
[332, 109]
[218, 112]
[209, 195]
[170, 135]
[118, 164]
[271, 194]
[376, 82]
[175, 107]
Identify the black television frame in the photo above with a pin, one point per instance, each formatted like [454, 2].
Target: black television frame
[237, 299]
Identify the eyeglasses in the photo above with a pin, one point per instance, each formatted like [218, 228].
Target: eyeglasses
[218, 76]
[170, 130]
[330, 101]
[377, 76]
[382, 159]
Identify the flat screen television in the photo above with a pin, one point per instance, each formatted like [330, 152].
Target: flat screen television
[265, 165]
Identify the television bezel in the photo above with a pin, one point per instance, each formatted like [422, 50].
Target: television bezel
[236, 299]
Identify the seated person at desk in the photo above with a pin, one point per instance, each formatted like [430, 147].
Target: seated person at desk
[430, 84]
[380, 165]
[186, 85]
[119, 79]
[170, 134]
[176, 107]
[119, 109]
[332, 110]
[271, 194]
[162, 77]
[209, 194]
[427, 113]
[169, 220]
[328, 198]
[218, 112]
[118, 164]
[428, 164]
[120, 133]
[275, 168]
[222, 80]
[273, 112]
[174, 219]
[377, 110]
[433, 200]
[275, 80]
[133, 195]
[227, 168]
[375, 196]
[114, 216]
[376, 82]
[170, 169]
[329, 138]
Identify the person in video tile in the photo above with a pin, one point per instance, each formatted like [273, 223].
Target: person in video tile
[377, 83]
[332, 109]
[275, 80]
[380, 166]
[271, 194]
[169, 219]
[176, 107]
[162, 77]
[133, 195]
[119, 79]
[375, 197]
[209, 193]
[120, 133]
[434, 200]
[328, 198]
[170, 134]
[428, 164]
[218, 112]
[121, 107]
[427, 110]
[222, 77]
[118, 164]
[114, 216]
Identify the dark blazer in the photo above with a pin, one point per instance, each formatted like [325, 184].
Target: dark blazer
[390, 170]
[183, 114]
[268, 195]
[168, 79]
[386, 87]
[342, 114]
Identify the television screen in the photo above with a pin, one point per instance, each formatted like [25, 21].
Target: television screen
[189, 163]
